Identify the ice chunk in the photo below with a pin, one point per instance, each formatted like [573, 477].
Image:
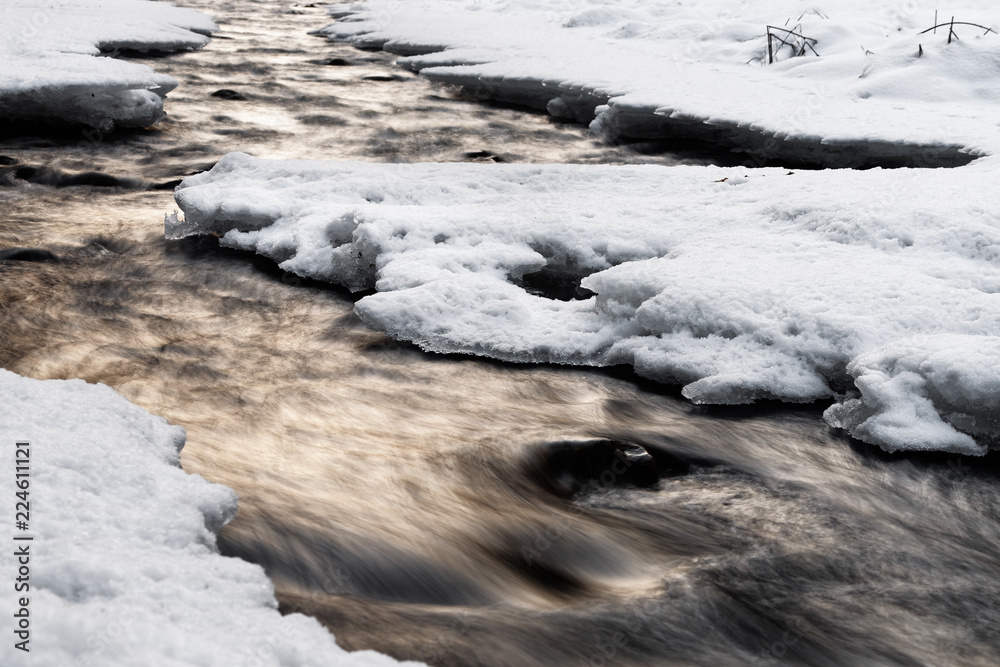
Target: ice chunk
[927, 392]
[52, 69]
[739, 284]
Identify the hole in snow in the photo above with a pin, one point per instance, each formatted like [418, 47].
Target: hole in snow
[555, 283]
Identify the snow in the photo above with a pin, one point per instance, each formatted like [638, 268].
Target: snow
[870, 287]
[123, 566]
[738, 284]
[926, 392]
[53, 69]
[647, 68]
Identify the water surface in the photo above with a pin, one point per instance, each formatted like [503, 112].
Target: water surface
[425, 506]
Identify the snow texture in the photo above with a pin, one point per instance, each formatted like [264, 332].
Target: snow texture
[124, 568]
[647, 68]
[53, 67]
[739, 284]
[774, 289]
[926, 392]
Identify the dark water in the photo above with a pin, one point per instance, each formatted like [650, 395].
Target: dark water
[448, 509]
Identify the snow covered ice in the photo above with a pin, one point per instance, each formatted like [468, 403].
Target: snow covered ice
[926, 392]
[740, 284]
[124, 568]
[53, 69]
[640, 69]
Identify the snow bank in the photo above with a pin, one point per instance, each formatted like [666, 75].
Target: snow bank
[644, 68]
[739, 284]
[52, 69]
[124, 569]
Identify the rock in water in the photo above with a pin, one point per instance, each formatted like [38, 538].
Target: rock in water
[572, 466]
[28, 255]
[227, 94]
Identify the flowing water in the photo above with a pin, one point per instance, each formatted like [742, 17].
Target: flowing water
[449, 509]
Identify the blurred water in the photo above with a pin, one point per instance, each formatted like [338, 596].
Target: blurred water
[420, 505]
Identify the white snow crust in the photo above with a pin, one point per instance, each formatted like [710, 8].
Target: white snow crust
[782, 287]
[696, 68]
[53, 69]
[124, 568]
[739, 284]
[926, 392]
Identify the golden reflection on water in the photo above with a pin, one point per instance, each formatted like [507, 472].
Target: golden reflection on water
[385, 488]
[382, 486]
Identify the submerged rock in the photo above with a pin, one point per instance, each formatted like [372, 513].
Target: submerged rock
[227, 94]
[569, 467]
[28, 255]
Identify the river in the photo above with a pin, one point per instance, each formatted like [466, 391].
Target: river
[450, 509]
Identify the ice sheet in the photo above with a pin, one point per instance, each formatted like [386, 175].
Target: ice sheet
[700, 68]
[739, 284]
[55, 69]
